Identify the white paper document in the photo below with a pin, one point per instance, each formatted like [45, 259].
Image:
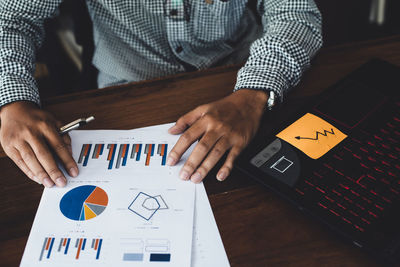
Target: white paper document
[208, 249]
[126, 207]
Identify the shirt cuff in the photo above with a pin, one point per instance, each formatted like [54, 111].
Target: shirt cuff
[253, 77]
[18, 89]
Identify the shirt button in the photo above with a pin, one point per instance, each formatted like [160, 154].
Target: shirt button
[179, 49]
[210, 2]
[173, 12]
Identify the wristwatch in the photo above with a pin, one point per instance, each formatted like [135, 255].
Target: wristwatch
[271, 100]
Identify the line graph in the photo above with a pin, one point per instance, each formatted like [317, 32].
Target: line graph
[325, 133]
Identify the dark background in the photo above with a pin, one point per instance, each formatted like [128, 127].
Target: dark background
[343, 21]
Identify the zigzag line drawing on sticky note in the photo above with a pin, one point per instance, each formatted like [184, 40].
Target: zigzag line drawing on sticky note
[325, 133]
[320, 135]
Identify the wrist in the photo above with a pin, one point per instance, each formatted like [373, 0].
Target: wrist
[17, 106]
[256, 98]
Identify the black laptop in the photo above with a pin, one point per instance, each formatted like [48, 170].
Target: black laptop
[353, 184]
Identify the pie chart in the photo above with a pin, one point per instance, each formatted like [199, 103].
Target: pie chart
[84, 202]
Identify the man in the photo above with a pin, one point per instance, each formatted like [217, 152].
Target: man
[139, 39]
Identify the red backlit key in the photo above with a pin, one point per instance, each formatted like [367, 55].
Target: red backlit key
[359, 228]
[366, 221]
[300, 192]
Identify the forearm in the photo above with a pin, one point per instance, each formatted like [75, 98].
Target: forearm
[21, 27]
[292, 36]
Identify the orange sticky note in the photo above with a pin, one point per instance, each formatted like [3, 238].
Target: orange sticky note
[312, 135]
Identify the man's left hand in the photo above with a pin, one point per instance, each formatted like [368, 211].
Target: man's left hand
[226, 124]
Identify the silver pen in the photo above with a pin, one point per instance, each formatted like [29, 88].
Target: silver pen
[75, 124]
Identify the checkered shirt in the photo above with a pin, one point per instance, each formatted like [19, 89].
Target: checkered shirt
[142, 39]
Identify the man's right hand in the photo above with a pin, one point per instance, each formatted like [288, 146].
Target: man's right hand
[28, 135]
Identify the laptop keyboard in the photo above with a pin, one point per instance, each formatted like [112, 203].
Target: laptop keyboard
[358, 196]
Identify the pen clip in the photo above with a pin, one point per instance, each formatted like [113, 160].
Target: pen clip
[75, 124]
[72, 124]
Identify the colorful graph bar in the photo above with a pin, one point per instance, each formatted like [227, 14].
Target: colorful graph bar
[136, 150]
[84, 243]
[85, 152]
[78, 252]
[47, 246]
[122, 155]
[149, 151]
[162, 151]
[98, 150]
[99, 249]
[64, 243]
[111, 154]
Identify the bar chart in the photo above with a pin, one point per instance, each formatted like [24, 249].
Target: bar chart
[118, 155]
[63, 248]
[111, 154]
[98, 150]
[84, 156]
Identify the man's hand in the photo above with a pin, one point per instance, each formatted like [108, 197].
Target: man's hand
[27, 134]
[227, 124]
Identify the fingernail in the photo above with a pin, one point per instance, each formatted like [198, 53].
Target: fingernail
[184, 175]
[47, 182]
[36, 179]
[170, 130]
[73, 172]
[61, 181]
[170, 161]
[196, 177]
[221, 176]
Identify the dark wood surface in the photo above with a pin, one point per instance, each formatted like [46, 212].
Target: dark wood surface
[257, 228]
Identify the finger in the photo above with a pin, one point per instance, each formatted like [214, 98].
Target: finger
[61, 149]
[226, 169]
[16, 157]
[184, 142]
[213, 157]
[67, 141]
[187, 120]
[66, 138]
[200, 151]
[33, 164]
[46, 159]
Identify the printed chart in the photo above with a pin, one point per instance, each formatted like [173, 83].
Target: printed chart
[124, 193]
[146, 206]
[117, 155]
[84, 203]
[64, 247]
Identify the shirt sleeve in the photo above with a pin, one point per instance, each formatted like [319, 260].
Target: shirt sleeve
[291, 37]
[21, 34]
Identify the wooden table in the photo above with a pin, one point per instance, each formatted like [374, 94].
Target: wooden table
[257, 228]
